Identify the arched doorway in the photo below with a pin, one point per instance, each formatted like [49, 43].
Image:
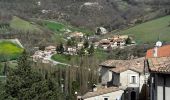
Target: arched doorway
[133, 95]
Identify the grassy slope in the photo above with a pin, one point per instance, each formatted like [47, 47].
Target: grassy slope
[99, 54]
[22, 25]
[9, 50]
[59, 27]
[54, 26]
[150, 31]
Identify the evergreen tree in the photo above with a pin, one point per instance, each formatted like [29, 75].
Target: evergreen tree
[91, 50]
[25, 84]
[60, 48]
[128, 40]
[81, 52]
[86, 44]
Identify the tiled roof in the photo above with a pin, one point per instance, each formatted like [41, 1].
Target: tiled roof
[163, 51]
[119, 66]
[104, 41]
[159, 64]
[100, 91]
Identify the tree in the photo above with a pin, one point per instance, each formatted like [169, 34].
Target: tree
[71, 42]
[60, 48]
[86, 44]
[42, 47]
[91, 50]
[81, 52]
[5, 68]
[25, 84]
[128, 40]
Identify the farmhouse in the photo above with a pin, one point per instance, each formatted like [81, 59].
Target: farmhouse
[105, 44]
[114, 42]
[76, 35]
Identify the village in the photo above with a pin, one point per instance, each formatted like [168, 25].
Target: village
[78, 42]
[84, 49]
[145, 78]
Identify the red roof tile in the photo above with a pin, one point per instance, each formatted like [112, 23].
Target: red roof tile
[159, 64]
[119, 66]
[163, 51]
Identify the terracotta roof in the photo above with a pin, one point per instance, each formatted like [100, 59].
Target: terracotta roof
[104, 41]
[100, 91]
[159, 64]
[119, 66]
[117, 40]
[76, 34]
[163, 51]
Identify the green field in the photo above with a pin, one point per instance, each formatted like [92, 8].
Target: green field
[9, 50]
[22, 25]
[61, 28]
[54, 26]
[68, 59]
[150, 31]
[62, 58]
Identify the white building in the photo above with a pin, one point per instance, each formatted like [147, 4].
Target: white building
[76, 35]
[71, 50]
[125, 74]
[104, 44]
[101, 31]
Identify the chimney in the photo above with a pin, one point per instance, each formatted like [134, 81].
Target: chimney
[155, 52]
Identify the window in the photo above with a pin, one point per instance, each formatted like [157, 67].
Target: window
[133, 79]
[105, 98]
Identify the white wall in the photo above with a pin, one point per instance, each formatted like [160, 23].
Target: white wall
[160, 83]
[110, 96]
[142, 81]
[125, 78]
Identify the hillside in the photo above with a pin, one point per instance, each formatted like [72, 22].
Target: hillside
[150, 31]
[23, 25]
[111, 14]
